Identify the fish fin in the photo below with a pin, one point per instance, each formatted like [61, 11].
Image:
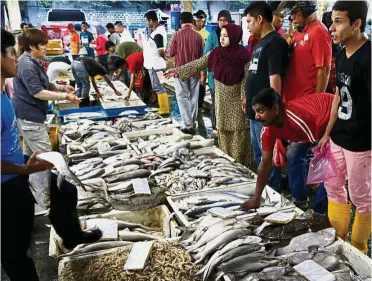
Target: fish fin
[219, 275]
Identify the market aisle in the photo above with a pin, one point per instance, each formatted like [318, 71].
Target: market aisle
[47, 267]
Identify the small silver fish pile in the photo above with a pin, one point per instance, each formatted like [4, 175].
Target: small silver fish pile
[167, 262]
[197, 172]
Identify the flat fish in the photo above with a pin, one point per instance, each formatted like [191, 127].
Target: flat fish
[60, 164]
[322, 238]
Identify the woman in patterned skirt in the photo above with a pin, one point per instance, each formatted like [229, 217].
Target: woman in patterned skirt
[230, 63]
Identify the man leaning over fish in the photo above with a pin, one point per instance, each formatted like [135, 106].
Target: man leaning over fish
[300, 120]
[17, 201]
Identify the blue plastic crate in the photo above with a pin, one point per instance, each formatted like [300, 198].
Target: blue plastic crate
[63, 113]
[114, 112]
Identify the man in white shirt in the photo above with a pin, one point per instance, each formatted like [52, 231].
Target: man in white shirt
[59, 65]
[154, 58]
[124, 34]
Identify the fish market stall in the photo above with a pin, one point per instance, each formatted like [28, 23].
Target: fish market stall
[120, 227]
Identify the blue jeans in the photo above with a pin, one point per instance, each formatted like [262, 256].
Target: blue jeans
[82, 79]
[255, 131]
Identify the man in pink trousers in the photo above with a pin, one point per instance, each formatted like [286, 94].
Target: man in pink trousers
[349, 127]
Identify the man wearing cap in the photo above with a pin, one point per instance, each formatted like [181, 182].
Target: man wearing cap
[308, 73]
[278, 18]
[74, 41]
[200, 18]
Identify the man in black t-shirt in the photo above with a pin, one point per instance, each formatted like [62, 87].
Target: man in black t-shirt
[82, 69]
[349, 127]
[268, 63]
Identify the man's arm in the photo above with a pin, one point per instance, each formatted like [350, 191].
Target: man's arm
[276, 83]
[131, 86]
[332, 119]
[95, 86]
[322, 77]
[160, 45]
[264, 170]
[161, 53]
[33, 165]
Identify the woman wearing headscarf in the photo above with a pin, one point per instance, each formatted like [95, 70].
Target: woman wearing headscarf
[230, 63]
[213, 41]
[100, 48]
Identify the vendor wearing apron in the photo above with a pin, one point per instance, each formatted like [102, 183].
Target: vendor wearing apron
[85, 69]
[17, 201]
[154, 58]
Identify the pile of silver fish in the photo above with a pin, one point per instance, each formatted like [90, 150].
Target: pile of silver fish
[187, 171]
[167, 261]
[128, 125]
[230, 250]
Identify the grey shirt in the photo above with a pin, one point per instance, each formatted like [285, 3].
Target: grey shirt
[30, 80]
[115, 38]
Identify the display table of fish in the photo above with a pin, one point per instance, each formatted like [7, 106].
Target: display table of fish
[167, 261]
[229, 251]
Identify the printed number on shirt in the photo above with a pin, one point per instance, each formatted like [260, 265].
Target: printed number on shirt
[346, 108]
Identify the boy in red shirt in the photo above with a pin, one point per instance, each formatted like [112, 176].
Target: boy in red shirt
[301, 120]
[133, 62]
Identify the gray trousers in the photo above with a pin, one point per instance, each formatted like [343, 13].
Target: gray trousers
[187, 93]
[82, 79]
[36, 138]
[155, 82]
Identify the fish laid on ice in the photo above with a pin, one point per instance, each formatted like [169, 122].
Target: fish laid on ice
[60, 164]
[322, 238]
[141, 173]
[93, 174]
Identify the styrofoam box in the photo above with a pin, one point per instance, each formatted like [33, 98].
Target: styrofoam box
[159, 215]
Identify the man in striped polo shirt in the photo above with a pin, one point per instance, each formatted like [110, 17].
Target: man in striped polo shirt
[186, 46]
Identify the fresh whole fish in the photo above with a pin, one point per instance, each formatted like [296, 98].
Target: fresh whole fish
[141, 173]
[60, 164]
[93, 174]
[97, 247]
[245, 264]
[83, 156]
[212, 232]
[135, 236]
[221, 240]
[238, 251]
[322, 238]
[272, 273]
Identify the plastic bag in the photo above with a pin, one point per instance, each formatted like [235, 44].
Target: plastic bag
[322, 167]
[279, 154]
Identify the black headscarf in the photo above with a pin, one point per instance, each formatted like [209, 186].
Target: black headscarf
[227, 15]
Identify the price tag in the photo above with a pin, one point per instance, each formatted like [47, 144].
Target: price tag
[103, 146]
[141, 186]
[138, 255]
[109, 228]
